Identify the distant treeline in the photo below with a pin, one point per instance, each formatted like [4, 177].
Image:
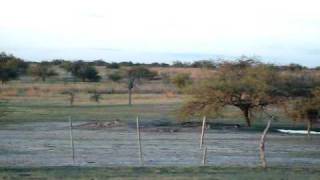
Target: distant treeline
[211, 63]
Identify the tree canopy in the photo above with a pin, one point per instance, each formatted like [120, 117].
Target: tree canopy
[246, 85]
[42, 70]
[11, 67]
[181, 80]
[83, 71]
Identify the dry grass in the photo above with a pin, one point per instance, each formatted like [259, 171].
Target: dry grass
[29, 87]
[195, 73]
[46, 89]
[53, 93]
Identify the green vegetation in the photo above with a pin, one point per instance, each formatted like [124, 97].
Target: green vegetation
[11, 67]
[252, 86]
[246, 84]
[113, 66]
[83, 71]
[306, 108]
[110, 107]
[135, 74]
[95, 95]
[42, 70]
[152, 109]
[115, 77]
[159, 173]
[181, 80]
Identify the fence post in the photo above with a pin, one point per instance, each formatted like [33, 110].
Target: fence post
[139, 142]
[204, 158]
[202, 131]
[261, 146]
[71, 141]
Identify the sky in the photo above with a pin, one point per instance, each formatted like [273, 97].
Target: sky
[276, 31]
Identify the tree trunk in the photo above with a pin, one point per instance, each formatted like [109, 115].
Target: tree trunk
[71, 100]
[309, 127]
[262, 143]
[43, 78]
[246, 115]
[129, 96]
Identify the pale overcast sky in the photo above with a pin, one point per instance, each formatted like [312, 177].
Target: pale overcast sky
[279, 31]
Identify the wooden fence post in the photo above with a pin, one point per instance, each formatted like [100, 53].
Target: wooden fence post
[202, 131]
[204, 157]
[139, 142]
[261, 146]
[71, 141]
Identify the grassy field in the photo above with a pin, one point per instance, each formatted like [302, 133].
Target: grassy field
[111, 107]
[150, 107]
[30, 100]
[218, 173]
[36, 129]
[158, 108]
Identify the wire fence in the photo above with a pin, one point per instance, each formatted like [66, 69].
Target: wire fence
[65, 143]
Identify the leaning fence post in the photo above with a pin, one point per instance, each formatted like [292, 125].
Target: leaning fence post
[139, 142]
[261, 146]
[204, 157]
[202, 131]
[71, 140]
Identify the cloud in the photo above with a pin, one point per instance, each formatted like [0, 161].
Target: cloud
[105, 49]
[170, 29]
[313, 51]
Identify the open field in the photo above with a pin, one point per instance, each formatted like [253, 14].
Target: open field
[152, 108]
[154, 102]
[35, 143]
[159, 90]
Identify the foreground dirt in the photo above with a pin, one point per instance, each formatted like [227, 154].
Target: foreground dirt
[115, 144]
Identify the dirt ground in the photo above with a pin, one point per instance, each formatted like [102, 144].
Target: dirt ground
[36, 144]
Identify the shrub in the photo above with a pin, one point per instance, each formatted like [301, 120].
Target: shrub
[11, 67]
[83, 71]
[181, 80]
[113, 66]
[115, 77]
[96, 96]
[42, 70]
[141, 73]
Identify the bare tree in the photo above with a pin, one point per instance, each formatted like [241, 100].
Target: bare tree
[96, 96]
[71, 95]
[135, 74]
